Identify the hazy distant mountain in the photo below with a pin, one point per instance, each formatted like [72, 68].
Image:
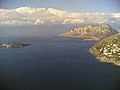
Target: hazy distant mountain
[93, 32]
[108, 50]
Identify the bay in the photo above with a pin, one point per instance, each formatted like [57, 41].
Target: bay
[54, 63]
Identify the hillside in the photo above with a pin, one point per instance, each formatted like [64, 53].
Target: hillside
[93, 32]
[108, 50]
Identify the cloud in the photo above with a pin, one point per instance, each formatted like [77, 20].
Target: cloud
[37, 16]
[116, 15]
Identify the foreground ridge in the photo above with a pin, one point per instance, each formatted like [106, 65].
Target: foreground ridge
[108, 50]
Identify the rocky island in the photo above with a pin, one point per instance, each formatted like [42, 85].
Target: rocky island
[108, 50]
[14, 45]
[93, 32]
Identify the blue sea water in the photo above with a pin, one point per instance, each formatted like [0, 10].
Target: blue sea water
[54, 63]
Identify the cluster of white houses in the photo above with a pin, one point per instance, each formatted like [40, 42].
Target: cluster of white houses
[110, 50]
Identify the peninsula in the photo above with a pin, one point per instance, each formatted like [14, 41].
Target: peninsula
[92, 32]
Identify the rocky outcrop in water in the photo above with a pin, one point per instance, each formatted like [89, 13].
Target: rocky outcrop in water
[93, 32]
[14, 45]
[108, 50]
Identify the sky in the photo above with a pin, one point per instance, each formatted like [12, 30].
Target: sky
[107, 6]
[35, 12]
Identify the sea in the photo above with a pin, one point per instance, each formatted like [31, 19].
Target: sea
[52, 62]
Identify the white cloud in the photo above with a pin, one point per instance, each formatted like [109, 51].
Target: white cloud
[38, 21]
[116, 15]
[36, 16]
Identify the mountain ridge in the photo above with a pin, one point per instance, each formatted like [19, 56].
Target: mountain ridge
[92, 32]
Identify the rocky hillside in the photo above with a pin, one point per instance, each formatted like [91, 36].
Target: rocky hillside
[108, 50]
[93, 32]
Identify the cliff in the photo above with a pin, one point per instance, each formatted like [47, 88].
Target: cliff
[108, 50]
[14, 45]
[93, 32]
